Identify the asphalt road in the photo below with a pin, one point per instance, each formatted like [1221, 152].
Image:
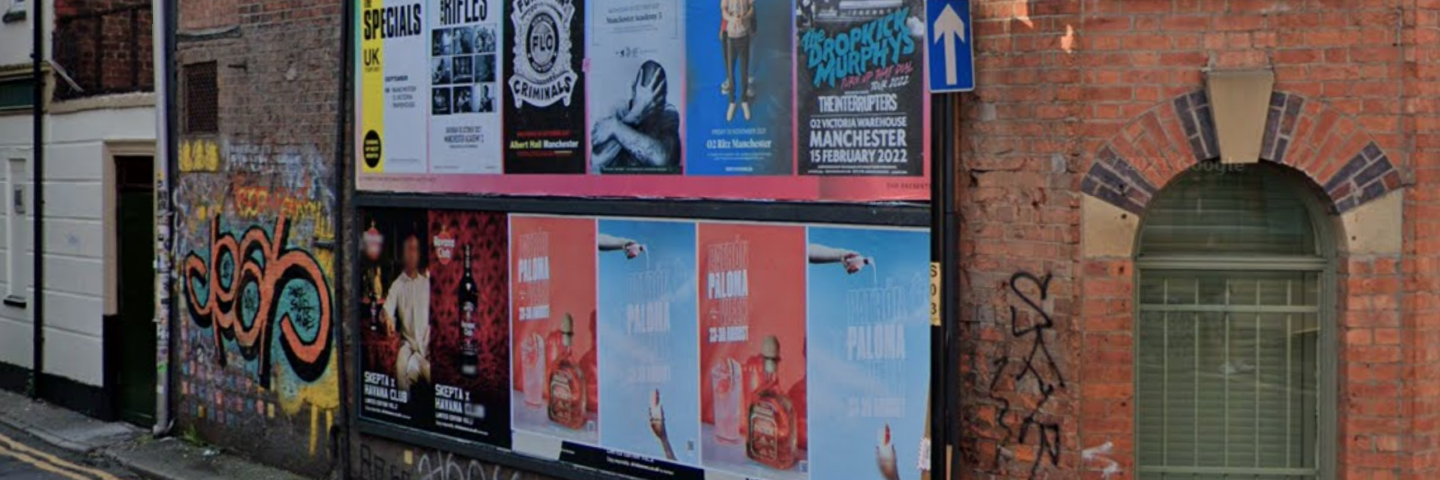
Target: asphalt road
[23, 457]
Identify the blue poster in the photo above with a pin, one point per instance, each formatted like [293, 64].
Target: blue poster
[648, 327]
[740, 86]
[869, 351]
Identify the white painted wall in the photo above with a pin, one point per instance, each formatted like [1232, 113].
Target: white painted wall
[15, 326]
[15, 37]
[79, 214]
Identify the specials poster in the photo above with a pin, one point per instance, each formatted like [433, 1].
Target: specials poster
[544, 91]
[395, 95]
[465, 134]
[740, 88]
[752, 350]
[650, 402]
[433, 322]
[860, 74]
[636, 86]
[555, 388]
[869, 336]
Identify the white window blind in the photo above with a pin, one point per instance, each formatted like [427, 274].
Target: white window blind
[1227, 365]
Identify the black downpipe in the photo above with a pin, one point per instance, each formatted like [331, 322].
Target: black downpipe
[172, 178]
[944, 245]
[342, 220]
[37, 203]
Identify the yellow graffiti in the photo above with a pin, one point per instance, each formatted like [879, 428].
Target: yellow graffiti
[322, 396]
[199, 156]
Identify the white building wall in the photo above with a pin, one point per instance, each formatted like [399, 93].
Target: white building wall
[79, 215]
[15, 327]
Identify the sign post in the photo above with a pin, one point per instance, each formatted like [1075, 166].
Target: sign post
[950, 45]
[951, 49]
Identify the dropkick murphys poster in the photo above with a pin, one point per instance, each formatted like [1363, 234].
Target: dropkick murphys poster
[464, 52]
[636, 49]
[544, 52]
[861, 88]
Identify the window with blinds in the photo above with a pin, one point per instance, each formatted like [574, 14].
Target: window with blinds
[1228, 331]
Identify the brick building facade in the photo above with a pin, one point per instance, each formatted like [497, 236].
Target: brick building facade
[1088, 111]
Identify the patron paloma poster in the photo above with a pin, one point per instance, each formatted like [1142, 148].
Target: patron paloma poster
[861, 88]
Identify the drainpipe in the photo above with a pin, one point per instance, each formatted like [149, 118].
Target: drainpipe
[162, 24]
[37, 204]
[342, 220]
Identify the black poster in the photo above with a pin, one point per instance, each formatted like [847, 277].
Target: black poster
[861, 84]
[544, 87]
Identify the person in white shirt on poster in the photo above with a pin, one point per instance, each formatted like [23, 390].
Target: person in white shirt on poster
[407, 309]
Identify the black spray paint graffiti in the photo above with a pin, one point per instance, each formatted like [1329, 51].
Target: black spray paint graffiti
[1038, 364]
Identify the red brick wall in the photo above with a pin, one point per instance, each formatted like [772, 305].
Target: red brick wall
[1105, 98]
[123, 58]
[197, 15]
[277, 73]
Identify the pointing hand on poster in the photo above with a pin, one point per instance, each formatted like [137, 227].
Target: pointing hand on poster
[852, 261]
[609, 243]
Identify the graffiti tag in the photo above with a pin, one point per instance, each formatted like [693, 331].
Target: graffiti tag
[1038, 365]
[243, 289]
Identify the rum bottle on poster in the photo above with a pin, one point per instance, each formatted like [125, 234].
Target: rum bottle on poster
[376, 298]
[568, 391]
[469, 297]
[772, 439]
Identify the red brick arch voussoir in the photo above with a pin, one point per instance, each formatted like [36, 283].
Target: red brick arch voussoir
[1326, 145]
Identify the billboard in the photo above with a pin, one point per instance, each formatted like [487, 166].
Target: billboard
[653, 348]
[739, 99]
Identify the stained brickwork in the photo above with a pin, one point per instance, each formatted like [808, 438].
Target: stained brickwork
[1105, 99]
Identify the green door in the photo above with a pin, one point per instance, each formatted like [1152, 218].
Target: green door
[135, 375]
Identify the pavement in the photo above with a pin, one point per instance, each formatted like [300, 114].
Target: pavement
[120, 450]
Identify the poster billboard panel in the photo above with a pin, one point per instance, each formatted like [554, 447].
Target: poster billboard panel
[657, 349]
[738, 99]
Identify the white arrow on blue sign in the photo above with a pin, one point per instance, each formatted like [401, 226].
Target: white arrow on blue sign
[951, 53]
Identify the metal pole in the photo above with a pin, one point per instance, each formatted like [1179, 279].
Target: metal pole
[942, 258]
[342, 220]
[37, 203]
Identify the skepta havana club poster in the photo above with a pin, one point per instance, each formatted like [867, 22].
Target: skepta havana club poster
[555, 383]
[434, 310]
[752, 350]
[861, 102]
[812, 101]
[544, 87]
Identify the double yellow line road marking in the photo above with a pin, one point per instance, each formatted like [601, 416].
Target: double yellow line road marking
[12, 448]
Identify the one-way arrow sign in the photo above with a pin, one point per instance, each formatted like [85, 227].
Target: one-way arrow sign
[952, 57]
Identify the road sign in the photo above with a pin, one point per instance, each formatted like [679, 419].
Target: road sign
[951, 50]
